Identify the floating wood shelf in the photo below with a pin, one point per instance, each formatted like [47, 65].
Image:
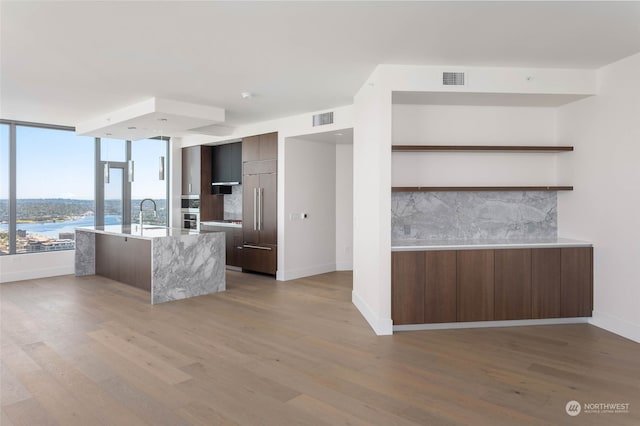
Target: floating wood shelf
[478, 188]
[494, 148]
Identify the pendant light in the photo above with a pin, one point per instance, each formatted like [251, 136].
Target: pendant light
[161, 163]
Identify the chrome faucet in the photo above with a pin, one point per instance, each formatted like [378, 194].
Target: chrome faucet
[155, 209]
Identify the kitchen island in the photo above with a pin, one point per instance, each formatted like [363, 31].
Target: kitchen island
[170, 263]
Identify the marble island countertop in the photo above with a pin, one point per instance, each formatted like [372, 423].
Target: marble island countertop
[477, 244]
[147, 232]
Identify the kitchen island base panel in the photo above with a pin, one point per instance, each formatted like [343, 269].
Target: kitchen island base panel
[187, 267]
[85, 254]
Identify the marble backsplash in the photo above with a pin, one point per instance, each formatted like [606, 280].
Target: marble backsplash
[473, 215]
[233, 204]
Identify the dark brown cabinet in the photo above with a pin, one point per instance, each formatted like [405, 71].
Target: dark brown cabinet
[191, 167]
[424, 287]
[440, 294]
[512, 286]
[545, 283]
[260, 147]
[484, 285]
[576, 282]
[408, 282]
[196, 180]
[475, 285]
[124, 259]
[259, 203]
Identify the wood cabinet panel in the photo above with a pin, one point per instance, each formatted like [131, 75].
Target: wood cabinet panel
[261, 258]
[260, 147]
[440, 295]
[127, 260]
[268, 209]
[576, 282]
[251, 148]
[407, 288]
[475, 285]
[545, 283]
[512, 286]
[236, 248]
[249, 208]
[191, 163]
[269, 146]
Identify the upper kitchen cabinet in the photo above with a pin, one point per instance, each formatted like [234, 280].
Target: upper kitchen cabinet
[260, 147]
[191, 167]
[227, 164]
[196, 181]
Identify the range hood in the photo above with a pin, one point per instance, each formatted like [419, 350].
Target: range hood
[150, 118]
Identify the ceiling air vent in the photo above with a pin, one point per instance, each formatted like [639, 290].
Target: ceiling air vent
[322, 119]
[453, 78]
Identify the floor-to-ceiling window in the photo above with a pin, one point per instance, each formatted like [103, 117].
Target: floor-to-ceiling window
[4, 189]
[52, 181]
[150, 180]
[54, 187]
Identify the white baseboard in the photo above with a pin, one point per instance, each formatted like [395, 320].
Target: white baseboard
[344, 266]
[487, 324]
[293, 274]
[381, 326]
[616, 325]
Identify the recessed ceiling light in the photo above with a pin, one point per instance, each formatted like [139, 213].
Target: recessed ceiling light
[246, 95]
[338, 134]
[162, 119]
[131, 127]
[108, 134]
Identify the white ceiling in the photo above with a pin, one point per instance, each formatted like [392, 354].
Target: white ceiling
[66, 62]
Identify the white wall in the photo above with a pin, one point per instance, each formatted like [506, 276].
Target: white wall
[473, 125]
[344, 207]
[372, 204]
[604, 206]
[309, 187]
[36, 265]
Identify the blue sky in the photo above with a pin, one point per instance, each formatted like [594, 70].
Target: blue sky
[59, 164]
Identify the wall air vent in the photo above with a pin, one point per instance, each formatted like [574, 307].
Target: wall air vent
[323, 119]
[453, 78]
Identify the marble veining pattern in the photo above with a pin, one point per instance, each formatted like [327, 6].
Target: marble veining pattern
[85, 253]
[473, 215]
[233, 203]
[187, 266]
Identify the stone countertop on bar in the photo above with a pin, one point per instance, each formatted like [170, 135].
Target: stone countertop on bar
[476, 244]
[147, 232]
[184, 263]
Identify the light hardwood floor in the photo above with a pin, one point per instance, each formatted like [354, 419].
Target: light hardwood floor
[89, 351]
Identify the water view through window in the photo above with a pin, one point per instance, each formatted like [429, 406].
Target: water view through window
[55, 186]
